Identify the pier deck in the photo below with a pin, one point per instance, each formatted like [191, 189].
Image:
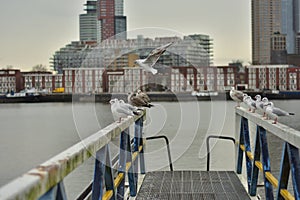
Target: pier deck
[192, 185]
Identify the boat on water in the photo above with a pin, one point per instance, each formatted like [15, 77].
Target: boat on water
[24, 96]
[32, 92]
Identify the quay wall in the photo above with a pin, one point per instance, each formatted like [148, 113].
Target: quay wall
[154, 96]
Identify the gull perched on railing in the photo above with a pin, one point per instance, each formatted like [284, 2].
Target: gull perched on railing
[143, 95]
[236, 96]
[137, 101]
[258, 103]
[120, 110]
[273, 111]
[148, 63]
[249, 102]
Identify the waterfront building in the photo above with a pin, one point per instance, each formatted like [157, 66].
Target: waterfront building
[72, 55]
[83, 80]
[187, 79]
[10, 80]
[273, 77]
[42, 81]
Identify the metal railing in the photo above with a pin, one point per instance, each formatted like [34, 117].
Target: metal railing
[260, 160]
[208, 147]
[168, 147]
[46, 180]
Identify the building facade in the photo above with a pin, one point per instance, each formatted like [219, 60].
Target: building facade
[45, 81]
[10, 80]
[274, 77]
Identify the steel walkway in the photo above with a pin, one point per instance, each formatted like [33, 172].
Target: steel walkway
[192, 185]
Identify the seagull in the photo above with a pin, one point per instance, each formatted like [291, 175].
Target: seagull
[276, 112]
[265, 100]
[134, 100]
[124, 105]
[250, 103]
[236, 95]
[119, 111]
[152, 58]
[143, 95]
[258, 103]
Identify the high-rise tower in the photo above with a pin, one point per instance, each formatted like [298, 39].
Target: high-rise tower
[112, 21]
[275, 30]
[266, 21]
[88, 22]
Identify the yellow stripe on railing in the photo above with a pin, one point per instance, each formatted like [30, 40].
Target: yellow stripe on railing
[108, 194]
[284, 193]
[272, 179]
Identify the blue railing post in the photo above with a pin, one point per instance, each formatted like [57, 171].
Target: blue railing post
[294, 160]
[245, 140]
[284, 171]
[131, 177]
[240, 151]
[265, 162]
[122, 163]
[56, 193]
[255, 170]
[142, 159]
[102, 174]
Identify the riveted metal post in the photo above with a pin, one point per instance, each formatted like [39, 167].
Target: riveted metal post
[247, 149]
[266, 162]
[255, 170]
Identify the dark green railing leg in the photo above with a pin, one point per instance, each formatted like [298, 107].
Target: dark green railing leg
[255, 170]
[266, 162]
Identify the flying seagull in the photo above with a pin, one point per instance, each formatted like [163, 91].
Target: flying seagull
[236, 96]
[120, 111]
[148, 63]
[276, 112]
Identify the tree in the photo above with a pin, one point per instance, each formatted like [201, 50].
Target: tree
[39, 68]
[8, 67]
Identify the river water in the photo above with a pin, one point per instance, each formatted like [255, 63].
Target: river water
[32, 133]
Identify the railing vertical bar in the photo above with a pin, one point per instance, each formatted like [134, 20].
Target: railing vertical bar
[247, 149]
[240, 151]
[142, 159]
[136, 144]
[131, 177]
[266, 162]
[255, 170]
[284, 171]
[295, 168]
[122, 164]
[97, 189]
[109, 179]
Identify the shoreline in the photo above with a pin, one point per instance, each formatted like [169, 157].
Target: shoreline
[154, 96]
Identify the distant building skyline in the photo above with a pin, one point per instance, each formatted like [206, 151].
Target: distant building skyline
[275, 31]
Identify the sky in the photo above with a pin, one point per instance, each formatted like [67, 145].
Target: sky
[32, 30]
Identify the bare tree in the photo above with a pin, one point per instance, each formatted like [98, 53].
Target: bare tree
[39, 68]
[8, 67]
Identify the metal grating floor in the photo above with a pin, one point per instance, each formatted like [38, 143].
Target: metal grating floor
[192, 185]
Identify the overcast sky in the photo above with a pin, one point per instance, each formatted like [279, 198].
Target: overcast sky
[32, 30]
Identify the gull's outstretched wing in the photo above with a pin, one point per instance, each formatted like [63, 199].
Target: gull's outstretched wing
[156, 53]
